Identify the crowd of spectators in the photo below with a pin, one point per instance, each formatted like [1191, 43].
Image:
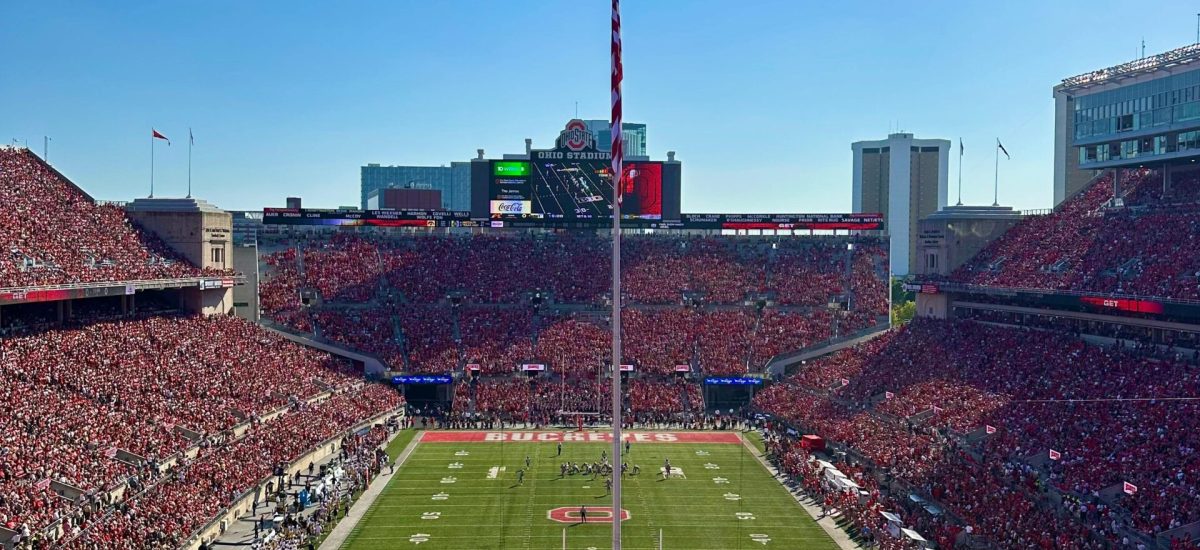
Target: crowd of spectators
[1083, 245]
[53, 233]
[196, 490]
[906, 400]
[462, 300]
[861, 507]
[359, 461]
[95, 405]
[544, 402]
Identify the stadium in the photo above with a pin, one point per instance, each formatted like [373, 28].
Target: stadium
[577, 362]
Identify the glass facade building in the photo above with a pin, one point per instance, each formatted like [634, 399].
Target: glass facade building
[633, 133]
[1140, 120]
[453, 181]
[1143, 113]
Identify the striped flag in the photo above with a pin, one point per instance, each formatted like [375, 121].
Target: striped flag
[1002, 149]
[618, 73]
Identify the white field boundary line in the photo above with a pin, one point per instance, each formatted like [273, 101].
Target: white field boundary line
[342, 530]
[827, 523]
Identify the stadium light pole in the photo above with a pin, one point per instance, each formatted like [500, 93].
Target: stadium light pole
[618, 154]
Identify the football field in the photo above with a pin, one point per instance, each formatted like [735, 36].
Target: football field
[460, 490]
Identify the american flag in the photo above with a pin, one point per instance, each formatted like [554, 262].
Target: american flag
[618, 142]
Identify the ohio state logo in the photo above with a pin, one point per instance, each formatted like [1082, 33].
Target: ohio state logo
[576, 137]
[595, 514]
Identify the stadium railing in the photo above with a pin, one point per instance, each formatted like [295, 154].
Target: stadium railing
[244, 502]
[138, 284]
[117, 492]
[944, 285]
[782, 361]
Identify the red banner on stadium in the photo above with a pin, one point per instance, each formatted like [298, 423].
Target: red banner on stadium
[582, 437]
[1138, 306]
[19, 296]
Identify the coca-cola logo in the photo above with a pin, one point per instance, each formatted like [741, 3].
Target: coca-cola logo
[512, 207]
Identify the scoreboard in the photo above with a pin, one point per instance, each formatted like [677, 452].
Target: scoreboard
[854, 222]
[456, 218]
[557, 186]
[369, 218]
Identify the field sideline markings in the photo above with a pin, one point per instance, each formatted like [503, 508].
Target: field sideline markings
[839, 537]
[350, 523]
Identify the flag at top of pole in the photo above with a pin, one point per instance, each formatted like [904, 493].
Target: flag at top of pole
[154, 134]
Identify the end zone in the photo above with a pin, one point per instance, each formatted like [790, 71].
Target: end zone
[730, 438]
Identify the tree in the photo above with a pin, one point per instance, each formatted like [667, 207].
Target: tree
[903, 312]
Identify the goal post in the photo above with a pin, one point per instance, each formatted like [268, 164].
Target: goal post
[579, 417]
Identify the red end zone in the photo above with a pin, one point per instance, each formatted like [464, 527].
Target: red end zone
[583, 437]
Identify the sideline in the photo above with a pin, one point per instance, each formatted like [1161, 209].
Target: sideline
[827, 523]
[342, 531]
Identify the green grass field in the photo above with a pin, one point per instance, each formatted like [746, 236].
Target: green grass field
[456, 496]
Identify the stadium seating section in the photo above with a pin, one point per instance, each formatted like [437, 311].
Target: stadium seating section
[52, 233]
[71, 399]
[916, 402]
[1146, 248]
[689, 300]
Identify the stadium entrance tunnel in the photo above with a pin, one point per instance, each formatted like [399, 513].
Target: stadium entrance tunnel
[595, 514]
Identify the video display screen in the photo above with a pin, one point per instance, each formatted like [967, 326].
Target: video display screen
[566, 189]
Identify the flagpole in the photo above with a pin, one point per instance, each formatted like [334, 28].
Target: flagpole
[189, 195]
[618, 153]
[996, 196]
[152, 164]
[960, 157]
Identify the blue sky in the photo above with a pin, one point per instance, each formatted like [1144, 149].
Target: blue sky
[761, 100]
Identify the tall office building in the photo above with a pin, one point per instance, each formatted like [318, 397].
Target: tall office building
[633, 133]
[453, 181]
[1141, 114]
[905, 179]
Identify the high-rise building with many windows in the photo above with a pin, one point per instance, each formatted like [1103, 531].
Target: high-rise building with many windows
[453, 181]
[904, 179]
[633, 133]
